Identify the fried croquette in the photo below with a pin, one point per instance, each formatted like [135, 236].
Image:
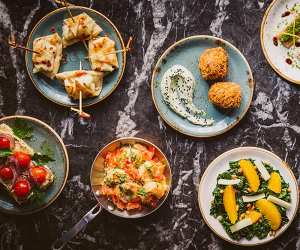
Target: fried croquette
[213, 64]
[226, 95]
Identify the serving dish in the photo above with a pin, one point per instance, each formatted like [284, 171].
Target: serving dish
[278, 15]
[53, 89]
[219, 165]
[104, 202]
[186, 53]
[44, 139]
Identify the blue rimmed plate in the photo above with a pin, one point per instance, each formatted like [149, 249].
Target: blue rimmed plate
[186, 52]
[43, 136]
[53, 89]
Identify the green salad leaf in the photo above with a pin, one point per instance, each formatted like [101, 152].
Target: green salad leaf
[5, 153]
[41, 159]
[21, 129]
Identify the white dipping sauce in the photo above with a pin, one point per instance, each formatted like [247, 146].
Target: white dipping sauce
[177, 88]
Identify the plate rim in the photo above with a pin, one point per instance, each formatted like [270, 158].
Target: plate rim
[167, 51]
[228, 152]
[115, 29]
[66, 165]
[262, 26]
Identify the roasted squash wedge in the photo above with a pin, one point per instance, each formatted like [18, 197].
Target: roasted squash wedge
[229, 202]
[270, 211]
[250, 173]
[274, 183]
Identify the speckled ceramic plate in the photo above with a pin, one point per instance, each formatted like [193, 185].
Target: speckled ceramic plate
[53, 89]
[272, 23]
[43, 136]
[186, 52]
[219, 165]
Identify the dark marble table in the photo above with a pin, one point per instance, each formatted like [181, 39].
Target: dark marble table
[271, 123]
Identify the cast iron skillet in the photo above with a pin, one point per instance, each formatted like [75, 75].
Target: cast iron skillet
[97, 172]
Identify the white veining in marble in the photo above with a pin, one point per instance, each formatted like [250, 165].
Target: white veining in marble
[126, 125]
[216, 25]
[67, 125]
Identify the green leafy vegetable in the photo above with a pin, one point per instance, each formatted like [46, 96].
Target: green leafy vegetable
[291, 30]
[22, 129]
[41, 159]
[142, 192]
[46, 149]
[5, 152]
[37, 196]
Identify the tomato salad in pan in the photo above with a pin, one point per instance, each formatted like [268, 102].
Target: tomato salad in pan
[133, 177]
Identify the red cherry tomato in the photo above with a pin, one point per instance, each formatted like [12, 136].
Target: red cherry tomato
[6, 173]
[22, 188]
[23, 159]
[4, 143]
[38, 174]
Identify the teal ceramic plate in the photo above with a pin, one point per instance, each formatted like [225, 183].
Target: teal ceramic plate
[53, 89]
[43, 136]
[186, 52]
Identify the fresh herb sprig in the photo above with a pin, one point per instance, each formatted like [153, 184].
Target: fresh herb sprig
[5, 153]
[41, 159]
[21, 129]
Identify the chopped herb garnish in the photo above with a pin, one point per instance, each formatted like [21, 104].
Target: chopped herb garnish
[41, 159]
[37, 196]
[142, 192]
[21, 129]
[46, 149]
[5, 152]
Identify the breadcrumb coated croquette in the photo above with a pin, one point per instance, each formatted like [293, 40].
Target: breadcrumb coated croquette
[213, 64]
[226, 95]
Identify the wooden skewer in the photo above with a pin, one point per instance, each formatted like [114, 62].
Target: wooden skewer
[70, 14]
[83, 114]
[127, 48]
[80, 111]
[12, 43]
[80, 93]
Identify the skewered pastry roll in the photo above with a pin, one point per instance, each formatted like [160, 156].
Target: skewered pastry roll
[101, 56]
[87, 81]
[50, 54]
[84, 28]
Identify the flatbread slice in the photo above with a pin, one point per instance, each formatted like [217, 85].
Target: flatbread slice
[101, 54]
[87, 81]
[20, 145]
[82, 28]
[50, 54]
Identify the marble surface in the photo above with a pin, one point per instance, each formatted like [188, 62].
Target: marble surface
[271, 123]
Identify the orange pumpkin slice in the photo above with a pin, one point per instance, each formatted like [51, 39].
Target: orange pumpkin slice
[230, 203]
[250, 173]
[270, 211]
[274, 183]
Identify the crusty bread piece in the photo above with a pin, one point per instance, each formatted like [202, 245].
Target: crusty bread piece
[20, 145]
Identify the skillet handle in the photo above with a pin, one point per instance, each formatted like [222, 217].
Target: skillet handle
[80, 225]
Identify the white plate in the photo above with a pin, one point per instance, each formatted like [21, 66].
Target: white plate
[272, 24]
[221, 164]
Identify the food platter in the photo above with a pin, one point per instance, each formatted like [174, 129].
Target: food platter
[186, 53]
[52, 89]
[111, 157]
[43, 138]
[283, 60]
[219, 165]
